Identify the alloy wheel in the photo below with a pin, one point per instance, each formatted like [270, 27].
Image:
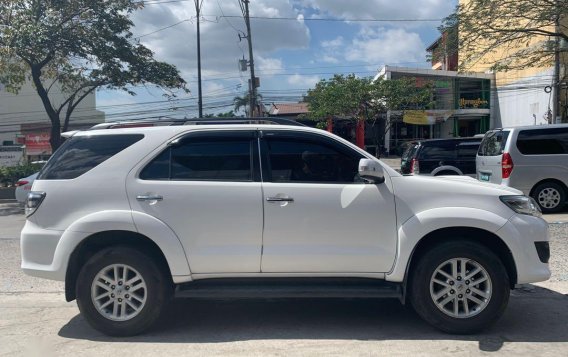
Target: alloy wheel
[119, 292]
[549, 198]
[460, 288]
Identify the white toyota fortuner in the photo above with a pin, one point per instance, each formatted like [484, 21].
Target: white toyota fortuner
[129, 217]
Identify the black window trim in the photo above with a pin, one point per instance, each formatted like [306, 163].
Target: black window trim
[253, 153]
[308, 136]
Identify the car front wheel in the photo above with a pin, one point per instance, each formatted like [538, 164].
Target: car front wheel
[550, 197]
[121, 291]
[459, 287]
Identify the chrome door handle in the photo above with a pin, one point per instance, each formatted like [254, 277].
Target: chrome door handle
[149, 198]
[279, 199]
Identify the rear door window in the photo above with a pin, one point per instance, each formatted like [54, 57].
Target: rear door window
[80, 154]
[493, 143]
[467, 150]
[208, 158]
[438, 151]
[553, 141]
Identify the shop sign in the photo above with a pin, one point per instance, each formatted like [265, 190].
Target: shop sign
[38, 144]
[11, 155]
[473, 103]
[426, 117]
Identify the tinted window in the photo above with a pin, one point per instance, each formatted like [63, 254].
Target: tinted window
[203, 159]
[493, 143]
[438, 151]
[297, 160]
[159, 168]
[467, 150]
[80, 154]
[543, 141]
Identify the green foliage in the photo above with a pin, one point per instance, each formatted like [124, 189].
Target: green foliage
[244, 102]
[508, 34]
[229, 114]
[364, 98]
[10, 175]
[80, 45]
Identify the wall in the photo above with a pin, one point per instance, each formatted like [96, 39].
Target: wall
[522, 101]
[519, 94]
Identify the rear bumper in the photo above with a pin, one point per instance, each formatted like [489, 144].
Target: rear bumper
[38, 247]
[521, 233]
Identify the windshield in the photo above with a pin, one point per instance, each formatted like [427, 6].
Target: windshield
[493, 143]
[410, 152]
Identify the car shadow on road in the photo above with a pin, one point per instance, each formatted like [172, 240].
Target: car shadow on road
[534, 315]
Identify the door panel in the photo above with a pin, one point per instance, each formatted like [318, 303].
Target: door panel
[207, 194]
[329, 228]
[319, 216]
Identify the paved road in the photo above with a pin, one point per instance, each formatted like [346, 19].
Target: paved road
[36, 320]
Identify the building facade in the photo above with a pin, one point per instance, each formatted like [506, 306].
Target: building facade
[462, 107]
[525, 97]
[24, 122]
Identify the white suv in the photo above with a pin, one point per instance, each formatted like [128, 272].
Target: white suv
[130, 217]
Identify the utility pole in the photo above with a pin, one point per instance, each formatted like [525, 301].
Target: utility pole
[252, 93]
[198, 4]
[556, 105]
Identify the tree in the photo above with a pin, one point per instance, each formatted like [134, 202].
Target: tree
[364, 98]
[244, 102]
[508, 34]
[78, 46]
[357, 98]
[229, 114]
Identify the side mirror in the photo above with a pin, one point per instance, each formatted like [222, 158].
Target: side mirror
[371, 170]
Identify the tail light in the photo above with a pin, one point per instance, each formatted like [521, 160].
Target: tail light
[414, 167]
[506, 165]
[33, 201]
[21, 183]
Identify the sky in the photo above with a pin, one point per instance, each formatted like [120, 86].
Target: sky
[296, 43]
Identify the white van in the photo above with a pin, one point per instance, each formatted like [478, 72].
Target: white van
[533, 159]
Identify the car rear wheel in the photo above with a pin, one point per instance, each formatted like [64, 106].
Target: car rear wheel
[550, 196]
[459, 287]
[121, 291]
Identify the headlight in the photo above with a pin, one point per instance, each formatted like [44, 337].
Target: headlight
[522, 205]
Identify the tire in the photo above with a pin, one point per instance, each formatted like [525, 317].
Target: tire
[476, 255]
[149, 293]
[447, 173]
[550, 196]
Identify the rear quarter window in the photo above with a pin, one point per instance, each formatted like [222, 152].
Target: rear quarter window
[553, 141]
[81, 154]
[493, 143]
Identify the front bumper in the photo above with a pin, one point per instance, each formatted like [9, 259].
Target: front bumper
[521, 233]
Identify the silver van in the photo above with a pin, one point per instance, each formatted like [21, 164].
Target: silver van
[533, 159]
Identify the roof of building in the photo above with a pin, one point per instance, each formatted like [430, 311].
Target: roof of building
[434, 44]
[288, 109]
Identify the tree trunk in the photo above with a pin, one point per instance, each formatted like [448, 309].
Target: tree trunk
[55, 136]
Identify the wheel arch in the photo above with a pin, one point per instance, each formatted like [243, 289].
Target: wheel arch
[556, 181]
[101, 240]
[481, 236]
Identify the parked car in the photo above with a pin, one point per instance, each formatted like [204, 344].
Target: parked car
[243, 210]
[533, 159]
[440, 157]
[23, 186]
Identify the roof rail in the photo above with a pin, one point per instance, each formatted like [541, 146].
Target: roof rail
[196, 121]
